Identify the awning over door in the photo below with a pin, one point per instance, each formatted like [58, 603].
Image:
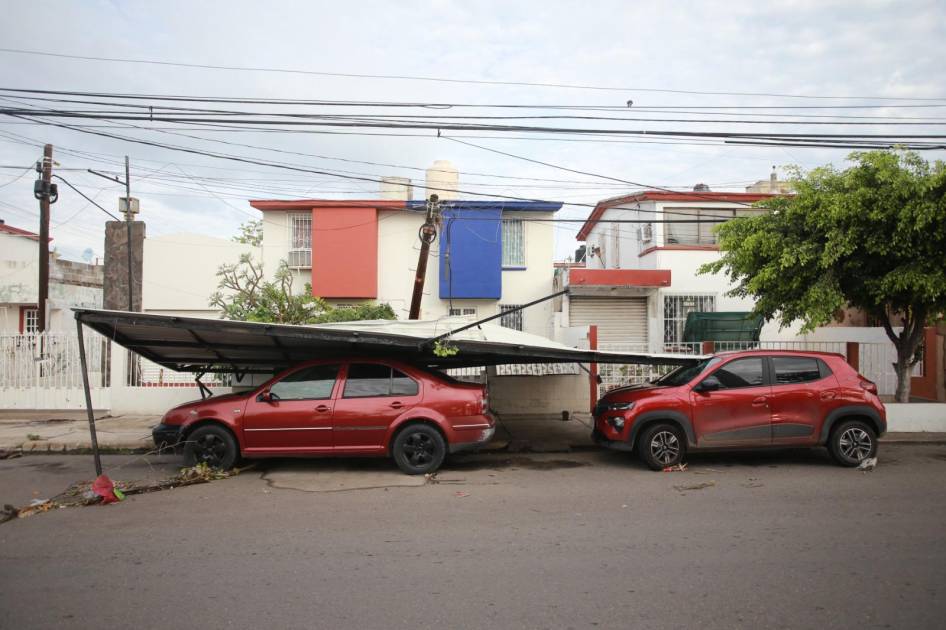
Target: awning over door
[193, 344]
[620, 320]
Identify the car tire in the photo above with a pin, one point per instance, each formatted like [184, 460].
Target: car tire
[212, 445]
[661, 446]
[418, 449]
[852, 442]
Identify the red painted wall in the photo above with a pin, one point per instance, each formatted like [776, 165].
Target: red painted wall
[345, 252]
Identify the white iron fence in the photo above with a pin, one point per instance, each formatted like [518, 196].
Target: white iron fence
[43, 371]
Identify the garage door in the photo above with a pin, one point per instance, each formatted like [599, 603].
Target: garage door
[620, 320]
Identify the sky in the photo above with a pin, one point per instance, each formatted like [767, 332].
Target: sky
[655, 54]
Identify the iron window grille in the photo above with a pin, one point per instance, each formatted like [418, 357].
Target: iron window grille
[514, 250]
[676, 309]
[511, 318]
[300, 241]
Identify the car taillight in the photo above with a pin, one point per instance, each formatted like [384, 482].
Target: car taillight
[484, 402]
[868, 386]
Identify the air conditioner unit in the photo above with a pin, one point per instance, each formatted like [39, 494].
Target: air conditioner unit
[647, 233]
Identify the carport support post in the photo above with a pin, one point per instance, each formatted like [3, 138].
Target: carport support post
[593, 368]
[88, 399]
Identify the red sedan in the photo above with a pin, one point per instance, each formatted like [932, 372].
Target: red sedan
[349, 407]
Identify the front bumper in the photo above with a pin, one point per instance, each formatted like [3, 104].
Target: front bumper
[166, 435]
[615, 445]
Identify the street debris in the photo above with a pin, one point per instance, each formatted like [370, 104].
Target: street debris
[10, 454]
[460, 494]
[868, 464]
[677, 468]
[753, 482]
[103, 490]
[695, 486]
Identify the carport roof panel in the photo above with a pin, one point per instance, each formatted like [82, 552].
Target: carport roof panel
[192, 344]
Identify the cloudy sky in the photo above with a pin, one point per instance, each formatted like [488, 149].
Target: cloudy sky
[659, 55]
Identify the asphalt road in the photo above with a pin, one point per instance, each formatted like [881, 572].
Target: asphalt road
[586, 540]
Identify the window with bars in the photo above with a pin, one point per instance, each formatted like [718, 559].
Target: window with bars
[465, 312]
[511, 318]
[676, 309]
[30, 321]
[700, 233]
[300, 240]
[514, 250]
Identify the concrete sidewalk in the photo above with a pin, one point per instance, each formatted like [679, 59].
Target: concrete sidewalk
[68, 431]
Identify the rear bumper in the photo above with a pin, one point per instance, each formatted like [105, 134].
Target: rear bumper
[166, 435]
[482, 436]
[614, 445]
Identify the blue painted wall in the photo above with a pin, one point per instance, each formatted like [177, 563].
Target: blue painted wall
[471, 253]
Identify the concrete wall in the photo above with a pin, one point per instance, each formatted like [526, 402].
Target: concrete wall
[916, 417]
[180, 272]
[550, 394]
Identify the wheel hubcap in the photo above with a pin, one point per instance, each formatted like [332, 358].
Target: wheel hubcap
[419, 448]
[665, 447]
[210, 450]
[855, 444]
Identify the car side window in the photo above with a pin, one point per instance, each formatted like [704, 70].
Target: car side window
[790, 370]
[311, 383]
[366, 380]
[741, 373]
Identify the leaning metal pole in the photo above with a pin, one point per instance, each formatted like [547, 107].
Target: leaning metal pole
[88, 399]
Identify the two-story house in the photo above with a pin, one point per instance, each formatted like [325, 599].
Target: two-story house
[640, 279]
[488, 257]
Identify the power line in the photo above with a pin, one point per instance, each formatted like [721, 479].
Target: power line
[452, 80]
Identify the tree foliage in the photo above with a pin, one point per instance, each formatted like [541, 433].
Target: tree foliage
[244, 294]
[251, 233]
[872, 236]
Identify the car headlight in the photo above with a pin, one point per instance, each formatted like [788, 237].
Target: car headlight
[620, 406]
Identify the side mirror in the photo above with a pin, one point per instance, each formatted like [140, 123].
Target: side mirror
[708, 384]
[264, 396]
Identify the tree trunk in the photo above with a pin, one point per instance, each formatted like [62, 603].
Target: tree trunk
[902, 368]
[906, 343]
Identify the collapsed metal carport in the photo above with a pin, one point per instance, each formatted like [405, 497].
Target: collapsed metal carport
[200, 346]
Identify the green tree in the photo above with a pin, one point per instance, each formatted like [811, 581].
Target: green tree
[872, 236]
[251, 233]
[244, 294]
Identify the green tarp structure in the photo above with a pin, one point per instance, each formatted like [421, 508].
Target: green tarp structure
[727, 326]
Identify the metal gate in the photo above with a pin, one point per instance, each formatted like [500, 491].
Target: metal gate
[620, 320]
[42, 371]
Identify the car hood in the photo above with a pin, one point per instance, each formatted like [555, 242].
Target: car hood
[211, 400]
[635, 392]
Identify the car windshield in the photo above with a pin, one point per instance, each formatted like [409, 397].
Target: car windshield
[685, 373]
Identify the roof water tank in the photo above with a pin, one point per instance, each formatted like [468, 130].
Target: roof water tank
[443, 179]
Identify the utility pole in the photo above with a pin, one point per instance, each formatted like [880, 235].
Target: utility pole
[46, 192]
[427, 235]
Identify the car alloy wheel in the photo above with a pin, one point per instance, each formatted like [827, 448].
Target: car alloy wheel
[855, 443]
[210, 449]
[664, 447]
[419, 449]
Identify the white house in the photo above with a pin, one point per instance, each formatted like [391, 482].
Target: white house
[70, 284]
[640, 278]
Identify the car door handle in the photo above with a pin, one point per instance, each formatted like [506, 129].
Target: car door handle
[397, 404]
[760, 401]
[322, 408]
[827, 395]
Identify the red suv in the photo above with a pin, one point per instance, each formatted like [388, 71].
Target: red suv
[350, 407]
[749, 399]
